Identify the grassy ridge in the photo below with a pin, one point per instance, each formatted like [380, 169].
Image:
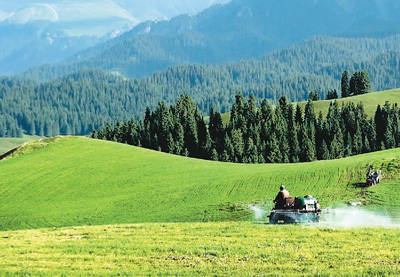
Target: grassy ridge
[79, 181]
[200, 249]
[369, 100]
[7, 144]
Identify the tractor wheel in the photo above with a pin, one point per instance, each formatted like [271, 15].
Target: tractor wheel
[289, 220]
[273, 218]
[316, 218]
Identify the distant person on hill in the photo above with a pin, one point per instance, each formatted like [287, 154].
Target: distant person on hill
[379, 177]
[369, 172]
[281, 198]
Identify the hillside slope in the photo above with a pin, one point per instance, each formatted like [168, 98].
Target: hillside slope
[78, 181]
[7, 144]
[369, 100]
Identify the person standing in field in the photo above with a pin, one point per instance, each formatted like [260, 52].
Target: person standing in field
[379, 176]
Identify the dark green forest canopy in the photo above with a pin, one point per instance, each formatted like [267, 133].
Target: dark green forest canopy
[258, 134]
[82, 102]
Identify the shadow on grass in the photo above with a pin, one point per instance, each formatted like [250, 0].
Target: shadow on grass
[360, 185]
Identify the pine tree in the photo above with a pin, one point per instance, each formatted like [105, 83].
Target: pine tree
[146, 136]
[348, 151]
[325, 151]
[225, 156]
[228, 149]
[237, 120]
[251, 154]
[266, 111]
[335, 149]
[281, 129]
[238, 145]
[313, 96]
[299, 116]
[332, 94]
[179, 139]
[364, 82]
[353, 89]
[307, 153]
[293, 140]
[216, 130]
[388, 138]
[360, 83]
[337, 145]
[319, 136]
[170, 144]
[273, 151]
[380, 123]
[204, 139]
[366, 146]
[357, 140]
[214, 155]
[345, 84]
[250, 111]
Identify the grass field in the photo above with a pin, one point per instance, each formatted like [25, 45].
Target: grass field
[370, 102]
[200, 249]
[7, 144]
[74, 181]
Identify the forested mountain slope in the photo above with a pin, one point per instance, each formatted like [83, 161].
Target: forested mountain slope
[241, 29]
[84, 101]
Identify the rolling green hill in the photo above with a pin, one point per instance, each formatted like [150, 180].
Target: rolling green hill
[71, 181]
[369, 100]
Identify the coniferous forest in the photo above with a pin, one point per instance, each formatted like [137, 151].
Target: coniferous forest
[261, 133]
[86, 100]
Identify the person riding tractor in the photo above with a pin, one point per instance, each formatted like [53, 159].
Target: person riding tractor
[294, 210]
[280, 199]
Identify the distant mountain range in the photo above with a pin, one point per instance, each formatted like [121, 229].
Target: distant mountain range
[241, 29]
[48, 31]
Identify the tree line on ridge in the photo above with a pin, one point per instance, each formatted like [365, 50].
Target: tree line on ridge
[260, 133]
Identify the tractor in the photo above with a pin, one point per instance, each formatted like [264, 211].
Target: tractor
[296, 210]
[373, 178]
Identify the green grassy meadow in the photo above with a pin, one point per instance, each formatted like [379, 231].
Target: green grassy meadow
[71, 181]
[6, 144]
[369, 100]
[200, 249]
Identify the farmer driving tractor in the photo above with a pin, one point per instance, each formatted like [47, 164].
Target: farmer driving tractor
[280, 199]
[294, 210]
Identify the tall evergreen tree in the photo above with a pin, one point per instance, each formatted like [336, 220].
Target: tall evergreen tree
[364, 82]
[238, 145]
[345, 84]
